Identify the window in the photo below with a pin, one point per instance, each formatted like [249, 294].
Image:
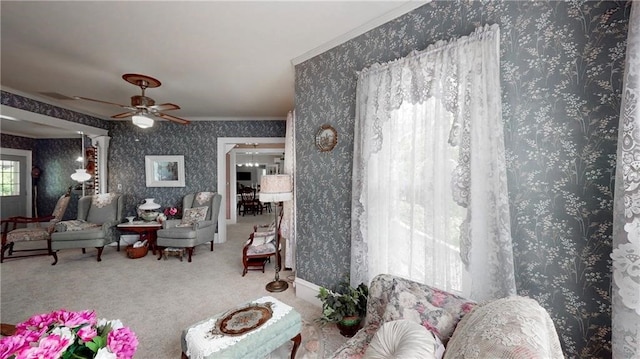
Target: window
[10, 181]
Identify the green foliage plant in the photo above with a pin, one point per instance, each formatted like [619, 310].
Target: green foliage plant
[346, 301]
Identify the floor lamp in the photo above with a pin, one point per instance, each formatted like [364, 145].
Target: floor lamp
[276, 188]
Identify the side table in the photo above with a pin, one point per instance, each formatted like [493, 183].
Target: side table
[147, 230]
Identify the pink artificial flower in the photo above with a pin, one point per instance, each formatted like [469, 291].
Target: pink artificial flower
[122, 342]
[38, 321]
[87, 333]
[50, 347]
[11, 345]
[76, 319]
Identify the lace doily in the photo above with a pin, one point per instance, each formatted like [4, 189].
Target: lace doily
[201, 342]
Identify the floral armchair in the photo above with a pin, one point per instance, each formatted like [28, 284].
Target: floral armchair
[38, 229]
[98, 216]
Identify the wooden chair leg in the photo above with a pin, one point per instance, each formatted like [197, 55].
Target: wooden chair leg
[99, 253]
[212, 246]
[55, 258]
[190, 251]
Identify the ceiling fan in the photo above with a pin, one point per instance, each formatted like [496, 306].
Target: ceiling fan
[143, 107]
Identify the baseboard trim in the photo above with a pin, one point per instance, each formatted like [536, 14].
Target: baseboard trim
[307, 291]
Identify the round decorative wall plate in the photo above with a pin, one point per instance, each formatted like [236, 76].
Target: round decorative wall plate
[326, 138]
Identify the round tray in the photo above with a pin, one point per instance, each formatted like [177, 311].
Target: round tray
[245, 319]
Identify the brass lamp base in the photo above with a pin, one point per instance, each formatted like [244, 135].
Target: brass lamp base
[277, 286]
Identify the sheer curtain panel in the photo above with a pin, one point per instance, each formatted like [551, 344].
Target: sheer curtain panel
[288, 227]
[429, 179]
[626, 215]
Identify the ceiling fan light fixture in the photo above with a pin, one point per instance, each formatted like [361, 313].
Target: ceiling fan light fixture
[142, 121]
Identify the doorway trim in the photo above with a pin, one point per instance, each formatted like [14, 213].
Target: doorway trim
[225, 145]
[28, 164]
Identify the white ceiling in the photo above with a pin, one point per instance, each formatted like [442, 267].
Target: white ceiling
[216, 60]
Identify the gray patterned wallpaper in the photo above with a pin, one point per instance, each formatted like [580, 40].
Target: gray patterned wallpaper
[196, 142]
[562, 65]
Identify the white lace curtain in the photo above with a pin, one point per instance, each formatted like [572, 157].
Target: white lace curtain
[626, 216]
[429, 178]
[288, 227]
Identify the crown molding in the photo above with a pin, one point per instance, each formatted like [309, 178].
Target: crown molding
[380, 20]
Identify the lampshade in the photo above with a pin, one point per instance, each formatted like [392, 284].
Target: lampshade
[149, 204]
[142, 121]
[80, 175]
[276, 188]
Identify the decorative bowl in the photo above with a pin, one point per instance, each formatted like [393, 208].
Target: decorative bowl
[149, 216]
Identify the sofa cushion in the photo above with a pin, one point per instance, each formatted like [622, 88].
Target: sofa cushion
[513, 327]
[74, 225]
[432, 308]
[403, 339]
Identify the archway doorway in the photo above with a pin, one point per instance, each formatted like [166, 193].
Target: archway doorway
[228, 149]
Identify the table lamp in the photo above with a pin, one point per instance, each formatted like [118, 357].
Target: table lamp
[276, 188]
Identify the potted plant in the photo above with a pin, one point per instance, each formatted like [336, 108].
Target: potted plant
[346, 307]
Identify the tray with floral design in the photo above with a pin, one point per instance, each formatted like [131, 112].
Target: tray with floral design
[243, 320]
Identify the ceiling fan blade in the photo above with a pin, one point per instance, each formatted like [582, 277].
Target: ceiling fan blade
[124, 115]
[100, 101]
[179, 120]
[164, 107]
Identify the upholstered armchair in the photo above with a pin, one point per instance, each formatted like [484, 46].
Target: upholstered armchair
[38, 229]
[98, 216]
[198, 225]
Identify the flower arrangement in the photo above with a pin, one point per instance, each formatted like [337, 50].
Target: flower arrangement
[65, 334]
[171, 212]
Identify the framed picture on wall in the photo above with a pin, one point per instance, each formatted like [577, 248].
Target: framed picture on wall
[164, 171]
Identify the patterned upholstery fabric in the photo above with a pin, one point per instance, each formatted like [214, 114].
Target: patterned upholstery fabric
[193, 215]
[28, 234]
[393, 298]
[74, 225]
[513, 327]
[37, 231]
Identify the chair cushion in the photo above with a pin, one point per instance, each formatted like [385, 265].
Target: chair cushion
[193, 215]
[27, 234]
[264, 248]
[74, 225]
[260, 238]
[403, 339]
[177, 233]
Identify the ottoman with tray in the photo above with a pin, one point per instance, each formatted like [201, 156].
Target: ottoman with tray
[251, 331]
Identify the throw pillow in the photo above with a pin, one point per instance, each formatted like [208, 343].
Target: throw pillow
[513, 327]
[193, 215]
[411, 306]
[402, 339]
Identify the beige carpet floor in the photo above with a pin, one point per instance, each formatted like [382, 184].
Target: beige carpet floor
[157, 299]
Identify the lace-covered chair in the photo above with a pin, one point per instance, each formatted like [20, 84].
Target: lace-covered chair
[98, 216]
[38, 229]
[260, 247]
[198, 225]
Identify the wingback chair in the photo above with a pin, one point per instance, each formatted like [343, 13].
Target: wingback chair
[38, 229]
[98, 216]
[198, 224]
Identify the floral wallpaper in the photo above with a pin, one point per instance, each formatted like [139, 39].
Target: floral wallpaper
[562, 65]
[196, 142]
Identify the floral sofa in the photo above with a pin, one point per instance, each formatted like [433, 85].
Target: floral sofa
[514, 327]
